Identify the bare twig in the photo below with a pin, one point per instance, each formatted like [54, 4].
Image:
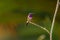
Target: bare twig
[52, 26]
[40, 26]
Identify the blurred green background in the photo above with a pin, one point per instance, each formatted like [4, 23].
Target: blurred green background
[43, 10]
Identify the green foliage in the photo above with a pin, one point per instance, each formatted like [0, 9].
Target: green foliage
[17, 11]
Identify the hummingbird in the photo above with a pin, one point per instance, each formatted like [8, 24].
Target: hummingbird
[29, 18]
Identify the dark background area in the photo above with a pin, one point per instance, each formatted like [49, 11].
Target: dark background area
[43, 11]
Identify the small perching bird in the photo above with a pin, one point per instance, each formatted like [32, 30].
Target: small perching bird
[29, 18]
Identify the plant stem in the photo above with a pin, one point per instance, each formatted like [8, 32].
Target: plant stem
[52, 26]
[40, 26]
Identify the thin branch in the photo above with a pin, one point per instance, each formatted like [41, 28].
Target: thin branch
[52, 26]
[40, 26]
